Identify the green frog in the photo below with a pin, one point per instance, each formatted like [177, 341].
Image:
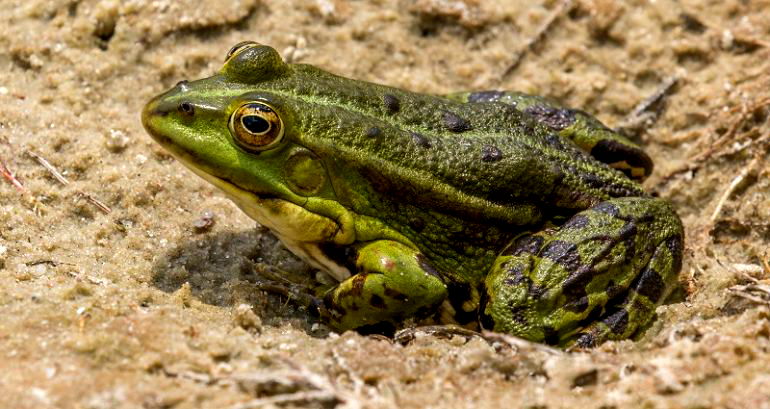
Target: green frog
[494, 209]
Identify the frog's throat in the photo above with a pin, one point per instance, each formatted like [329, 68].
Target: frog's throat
[299, 229]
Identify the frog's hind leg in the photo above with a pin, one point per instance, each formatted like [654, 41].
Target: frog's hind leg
[598, 277]
[581, 128]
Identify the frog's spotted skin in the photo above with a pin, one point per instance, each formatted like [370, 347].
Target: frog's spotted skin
[588, 133]
[492, 207]
[592, 279]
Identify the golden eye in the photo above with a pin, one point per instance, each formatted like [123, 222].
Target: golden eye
[240, 47]
[256, 126]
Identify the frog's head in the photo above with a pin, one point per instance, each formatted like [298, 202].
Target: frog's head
[232, 131]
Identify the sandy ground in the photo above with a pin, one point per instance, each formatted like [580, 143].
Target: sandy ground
[150, 305]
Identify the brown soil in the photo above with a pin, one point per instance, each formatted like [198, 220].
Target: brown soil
[150, 305]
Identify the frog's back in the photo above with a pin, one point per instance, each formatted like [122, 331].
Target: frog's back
[478, 160]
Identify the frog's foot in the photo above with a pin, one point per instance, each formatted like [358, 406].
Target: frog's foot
[598, 277]
[393, 282]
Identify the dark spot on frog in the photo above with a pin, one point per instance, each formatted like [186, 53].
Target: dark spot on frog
[455, 123]
[577, 305]
[607, 208]
[536, 291]
[422, 261]
[485, 96]
[395, 294]
[563, 253]
[610, 151]
[336, 310]
[490, 153]
[592, 180]
[377, 302]
[417, 224]
[373, 132]
[420, 140]
[574, 286]
[519, 314]
[555, 118]
[528, 244]
[613, 290]
[392, 104]
[515, 275]
[553, 140]
[617, 321]
[579, 221]
[649, 284]
[357, 285]
[674, 245]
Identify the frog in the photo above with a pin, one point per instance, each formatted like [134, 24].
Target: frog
[491, 210]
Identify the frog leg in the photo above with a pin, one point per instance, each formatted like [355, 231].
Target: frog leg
[597, 277]
[393, 282]
[584, 130]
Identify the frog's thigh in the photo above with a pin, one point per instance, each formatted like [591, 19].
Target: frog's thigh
[394, 282]
[598, 277]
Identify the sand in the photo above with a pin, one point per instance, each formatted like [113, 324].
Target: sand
[137, 285]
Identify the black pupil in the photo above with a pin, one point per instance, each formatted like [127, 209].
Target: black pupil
[255, 124]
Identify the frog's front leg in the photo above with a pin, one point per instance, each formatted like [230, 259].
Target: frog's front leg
[393, 282]
[599, 276]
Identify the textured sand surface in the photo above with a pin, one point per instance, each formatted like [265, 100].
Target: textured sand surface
[149, 305]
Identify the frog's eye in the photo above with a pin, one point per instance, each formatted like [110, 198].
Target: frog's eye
[240, 47]
[256, 126]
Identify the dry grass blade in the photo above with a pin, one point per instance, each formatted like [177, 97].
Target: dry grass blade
[563, 8]
[50, 168]
[721, 144]
[407, 335]
[61, 179]
[733, 186]
[642, 111]
[10, 177]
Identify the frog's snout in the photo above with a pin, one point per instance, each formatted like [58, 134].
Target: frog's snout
[162, 105]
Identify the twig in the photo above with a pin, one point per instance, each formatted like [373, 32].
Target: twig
[758, 300]
[96, 202]
[407, 335]
[635, 116]
[11, 178]
[733, 185]
[696, 161]
[47, 165]
[61, 179]
[564, 7]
